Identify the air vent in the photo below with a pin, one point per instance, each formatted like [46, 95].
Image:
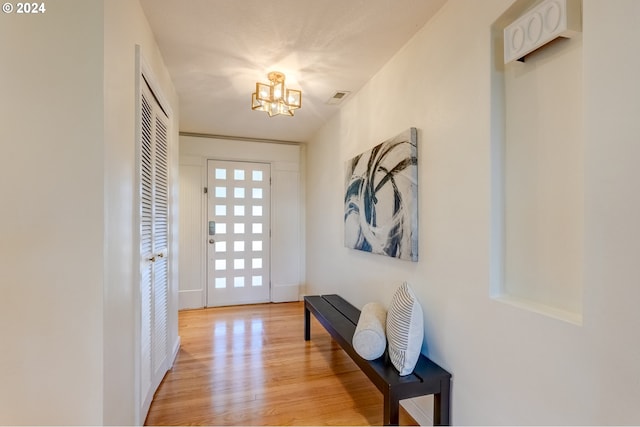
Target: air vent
[547, 21]
[338, 97]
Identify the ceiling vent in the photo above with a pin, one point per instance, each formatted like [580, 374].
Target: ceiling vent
[542, 24]
[338, 97]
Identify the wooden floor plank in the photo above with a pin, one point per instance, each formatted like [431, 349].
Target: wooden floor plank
[250, 365]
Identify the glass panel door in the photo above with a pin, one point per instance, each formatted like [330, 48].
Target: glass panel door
[238, 233]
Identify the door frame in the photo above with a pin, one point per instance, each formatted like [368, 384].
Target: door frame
[287, 162]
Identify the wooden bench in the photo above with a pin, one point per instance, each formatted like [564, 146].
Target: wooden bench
[340, 319]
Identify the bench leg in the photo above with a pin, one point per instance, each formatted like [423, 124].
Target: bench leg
[441, 405]
[391, 410]
[307, 324]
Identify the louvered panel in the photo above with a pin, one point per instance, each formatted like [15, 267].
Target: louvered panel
[145, 331]
[160, 301]
[161, 224]
[146, 182]
[146, 234]
[161, 185]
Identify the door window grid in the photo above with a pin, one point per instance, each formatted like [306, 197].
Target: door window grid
[239, 227]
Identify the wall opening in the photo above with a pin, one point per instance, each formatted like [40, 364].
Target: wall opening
[538, 175]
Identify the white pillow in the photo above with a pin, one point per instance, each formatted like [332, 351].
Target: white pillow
[404, 329]
[369, 339]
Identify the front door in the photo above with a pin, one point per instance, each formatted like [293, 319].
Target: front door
[238, 232]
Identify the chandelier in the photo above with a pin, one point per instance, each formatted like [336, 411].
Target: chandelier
[274, 98]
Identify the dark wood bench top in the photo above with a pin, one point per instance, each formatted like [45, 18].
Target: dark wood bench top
[340, 319]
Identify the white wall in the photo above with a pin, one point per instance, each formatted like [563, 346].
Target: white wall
[287, 253]
[67, 311]
[193, 215]
[51, 215]
[509, 365]
[612, 209]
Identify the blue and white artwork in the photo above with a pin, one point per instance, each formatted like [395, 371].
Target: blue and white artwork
[381, 199]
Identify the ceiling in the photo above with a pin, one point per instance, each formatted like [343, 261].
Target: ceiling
[216, 51]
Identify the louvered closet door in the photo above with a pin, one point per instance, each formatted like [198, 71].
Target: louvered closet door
[154, 223]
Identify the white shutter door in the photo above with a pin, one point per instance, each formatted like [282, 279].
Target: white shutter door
[154, 232]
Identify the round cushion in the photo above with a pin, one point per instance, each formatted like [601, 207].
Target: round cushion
[369, 339]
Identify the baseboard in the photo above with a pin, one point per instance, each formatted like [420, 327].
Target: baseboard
[420, 409]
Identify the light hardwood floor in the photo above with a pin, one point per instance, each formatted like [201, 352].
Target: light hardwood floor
[250, 365]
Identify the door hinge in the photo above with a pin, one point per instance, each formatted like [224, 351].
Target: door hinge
[206, 190]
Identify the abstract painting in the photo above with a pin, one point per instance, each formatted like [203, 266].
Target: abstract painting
[381, 199]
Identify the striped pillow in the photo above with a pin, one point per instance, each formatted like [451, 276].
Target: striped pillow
[404, 329]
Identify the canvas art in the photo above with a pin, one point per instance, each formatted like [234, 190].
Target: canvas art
[381, 199]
